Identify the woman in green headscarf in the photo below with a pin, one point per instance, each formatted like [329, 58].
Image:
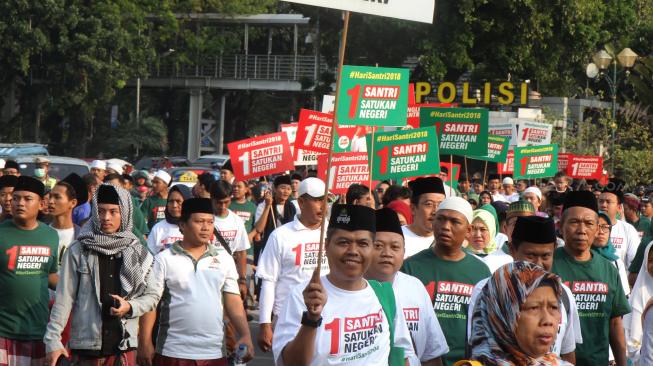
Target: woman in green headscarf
[603, 246]
[481, 239]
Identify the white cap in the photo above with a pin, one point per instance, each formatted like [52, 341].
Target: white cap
[115, 166]
[311, 186]
[535, 190]
[99, 164]
[508, 180]
[2, 163]
[165, 177]
[458, 204]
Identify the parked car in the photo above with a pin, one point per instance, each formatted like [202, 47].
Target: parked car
[60, 166]
[161, 162]
[11, 151]
[211, 160]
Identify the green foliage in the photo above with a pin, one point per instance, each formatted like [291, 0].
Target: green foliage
[151, 136]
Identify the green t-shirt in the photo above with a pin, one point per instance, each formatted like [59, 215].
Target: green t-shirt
[154, 210]
[27, 257]
[138, 219]
[450, 286]
[599, 298]
[245, 211]
[647, 237]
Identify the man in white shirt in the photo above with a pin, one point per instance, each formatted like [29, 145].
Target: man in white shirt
[429, 342]
[534, 240]
[63, 199]
[199, 281]
[509, 192]
[624, 236]
[340, 319]
[427, 195]
[290, 257]
[494, 186]
[231, 228]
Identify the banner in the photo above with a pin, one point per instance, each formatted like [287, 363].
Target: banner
[563, 161]
[314, 131]
[405, 153]
[585, 167]
[346, 169]
[416, 10]
[461, 131]
[373, 96]
[259, 156]
[503, 129]
[530, 133]
[509, 166]
[497, 149]
[301, 157]
[536, 161]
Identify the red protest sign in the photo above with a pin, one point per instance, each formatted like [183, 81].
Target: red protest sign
[346, 169]
[509, 166]
[585, 167]
[563, 161]
[262, 155]
[314, 131]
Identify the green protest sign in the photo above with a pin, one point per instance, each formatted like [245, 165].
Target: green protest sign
[406, 153]
[373, 96]
[536, 161]
[461, 131]
[497, 149]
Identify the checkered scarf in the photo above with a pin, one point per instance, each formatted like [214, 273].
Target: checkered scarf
[136, 260]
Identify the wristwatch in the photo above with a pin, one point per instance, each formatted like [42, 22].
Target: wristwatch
[306, 321]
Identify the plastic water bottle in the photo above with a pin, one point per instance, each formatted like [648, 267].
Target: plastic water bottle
[239, 355]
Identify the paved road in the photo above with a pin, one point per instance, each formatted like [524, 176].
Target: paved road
[260, 358]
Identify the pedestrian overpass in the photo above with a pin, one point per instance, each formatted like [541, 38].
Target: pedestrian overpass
[239, 71]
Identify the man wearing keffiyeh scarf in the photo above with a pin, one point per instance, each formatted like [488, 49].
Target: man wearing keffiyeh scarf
[106, 280]
[501, 311]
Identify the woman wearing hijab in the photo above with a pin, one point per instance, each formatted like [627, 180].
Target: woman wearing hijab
[403, 211]
[482, 237]
[166, 232]
[517, 317]
[639, 323]
[603, 247]
[106, 281]
[485, 198]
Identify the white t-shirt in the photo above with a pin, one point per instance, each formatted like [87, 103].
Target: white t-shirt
[162, 236]
[501, 239]
[568, 333]
[496, 259]
[428, 340]
[499, 197]
[354, 330]
[625, 240]
[623, 276]
[414, 242]
[514, 197]
[232, 229]
[646, 352]
[261, 207]
[66, 237]
[193, 327]
[288, 259]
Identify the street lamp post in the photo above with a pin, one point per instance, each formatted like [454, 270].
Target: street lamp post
[597, 70]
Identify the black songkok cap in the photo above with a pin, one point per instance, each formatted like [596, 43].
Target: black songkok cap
[616, 187]
[227, 166]
[106, 193]
[557, 198]
[493, 177]
[352, 218]
[420, 186]
[581, 199]
[195, 205]
[296, 176]
[8, 181]
[387, 220]
[282, 179]
[534, 229]
[29, 184]
[78, 184]
[12, 164]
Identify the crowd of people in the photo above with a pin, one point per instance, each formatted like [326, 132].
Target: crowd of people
[112, 268]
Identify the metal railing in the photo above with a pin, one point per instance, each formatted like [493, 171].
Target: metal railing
[242, 67]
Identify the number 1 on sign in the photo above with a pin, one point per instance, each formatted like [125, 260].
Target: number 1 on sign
[245, 160]
[310, 132]
[574, 169]
[383, 164]
[355, 94]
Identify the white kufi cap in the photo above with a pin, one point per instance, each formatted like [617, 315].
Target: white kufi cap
[458, 204]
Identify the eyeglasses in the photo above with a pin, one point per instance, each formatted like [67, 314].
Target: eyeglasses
[604, 228]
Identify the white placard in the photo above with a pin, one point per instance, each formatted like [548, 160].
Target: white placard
[416, 10]
[530, 133]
